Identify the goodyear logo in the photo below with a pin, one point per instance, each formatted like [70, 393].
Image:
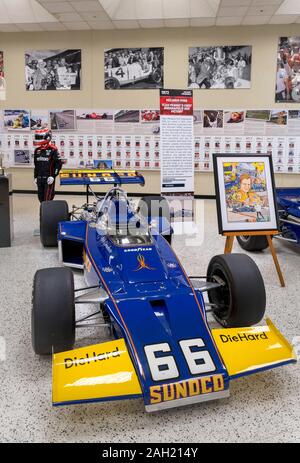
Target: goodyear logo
[188, 388]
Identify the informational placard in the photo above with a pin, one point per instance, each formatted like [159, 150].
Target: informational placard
[2, 79]
[130, 138]
[177, 146]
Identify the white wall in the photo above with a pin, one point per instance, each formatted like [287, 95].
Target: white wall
[176, 42]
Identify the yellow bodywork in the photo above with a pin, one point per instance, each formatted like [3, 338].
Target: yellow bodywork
[98, 372]
[249, 350]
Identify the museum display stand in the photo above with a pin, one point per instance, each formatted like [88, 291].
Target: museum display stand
[6, 214]
[268, 234]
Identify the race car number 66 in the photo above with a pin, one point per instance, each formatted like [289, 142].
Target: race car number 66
[163, 367]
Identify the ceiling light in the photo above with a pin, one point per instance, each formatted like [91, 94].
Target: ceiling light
[289, 7]
[160, 9]
[23, 11]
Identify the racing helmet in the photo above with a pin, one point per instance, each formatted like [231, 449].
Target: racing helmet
[42, 137]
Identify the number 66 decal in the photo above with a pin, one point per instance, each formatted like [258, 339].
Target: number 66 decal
[163, 367]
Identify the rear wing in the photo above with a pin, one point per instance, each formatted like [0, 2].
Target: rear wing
[100, 177]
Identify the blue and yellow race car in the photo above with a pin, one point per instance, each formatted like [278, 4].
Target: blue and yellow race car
[162, 349]
[288, 206]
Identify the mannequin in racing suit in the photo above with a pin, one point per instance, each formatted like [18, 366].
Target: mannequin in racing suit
[47, 164]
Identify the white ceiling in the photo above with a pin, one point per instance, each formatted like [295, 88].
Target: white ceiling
[59, 15]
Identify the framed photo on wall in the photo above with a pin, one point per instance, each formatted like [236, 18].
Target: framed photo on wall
[2, 79]
[245, 192]
[220, 67]
[133, 68]
[52, 70]
[288, 70]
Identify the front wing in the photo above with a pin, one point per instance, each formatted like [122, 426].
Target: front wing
[106, 372]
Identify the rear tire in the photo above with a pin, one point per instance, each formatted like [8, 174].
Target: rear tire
[53, 311]
[241, 300]
[253, 243]
[155, 206]
[51, 213]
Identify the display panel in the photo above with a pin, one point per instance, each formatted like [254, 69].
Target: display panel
[2, 79]
[131, 138]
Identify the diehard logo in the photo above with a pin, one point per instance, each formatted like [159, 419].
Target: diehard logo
[243, 337]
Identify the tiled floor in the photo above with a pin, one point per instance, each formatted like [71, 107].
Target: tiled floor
[263, 407]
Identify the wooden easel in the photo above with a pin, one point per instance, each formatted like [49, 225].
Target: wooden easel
[268, 234]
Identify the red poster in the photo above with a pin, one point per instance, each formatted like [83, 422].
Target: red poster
[176, 102]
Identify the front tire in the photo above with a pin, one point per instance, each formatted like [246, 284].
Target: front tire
[240, 301]
[53, 311]
[51, 213]
[253, 243]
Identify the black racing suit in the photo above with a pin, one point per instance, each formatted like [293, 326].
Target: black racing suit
[47, 163]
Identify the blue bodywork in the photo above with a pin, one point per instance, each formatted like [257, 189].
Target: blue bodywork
[288, 203]
[150, 298]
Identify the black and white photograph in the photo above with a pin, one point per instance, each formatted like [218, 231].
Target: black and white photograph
[22, 157]
[124, 115]
[62, 119]
[198, 116]
[294, 114]
[220, 67]
[133, 68]
[53, 70]
[213, 119]
[288, 70]
[2, 79]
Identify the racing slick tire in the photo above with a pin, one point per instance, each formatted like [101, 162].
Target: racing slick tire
[240, 301]
[112, 83]
[253, 243]
[53, 311]
[146, 205]
[51, 213]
